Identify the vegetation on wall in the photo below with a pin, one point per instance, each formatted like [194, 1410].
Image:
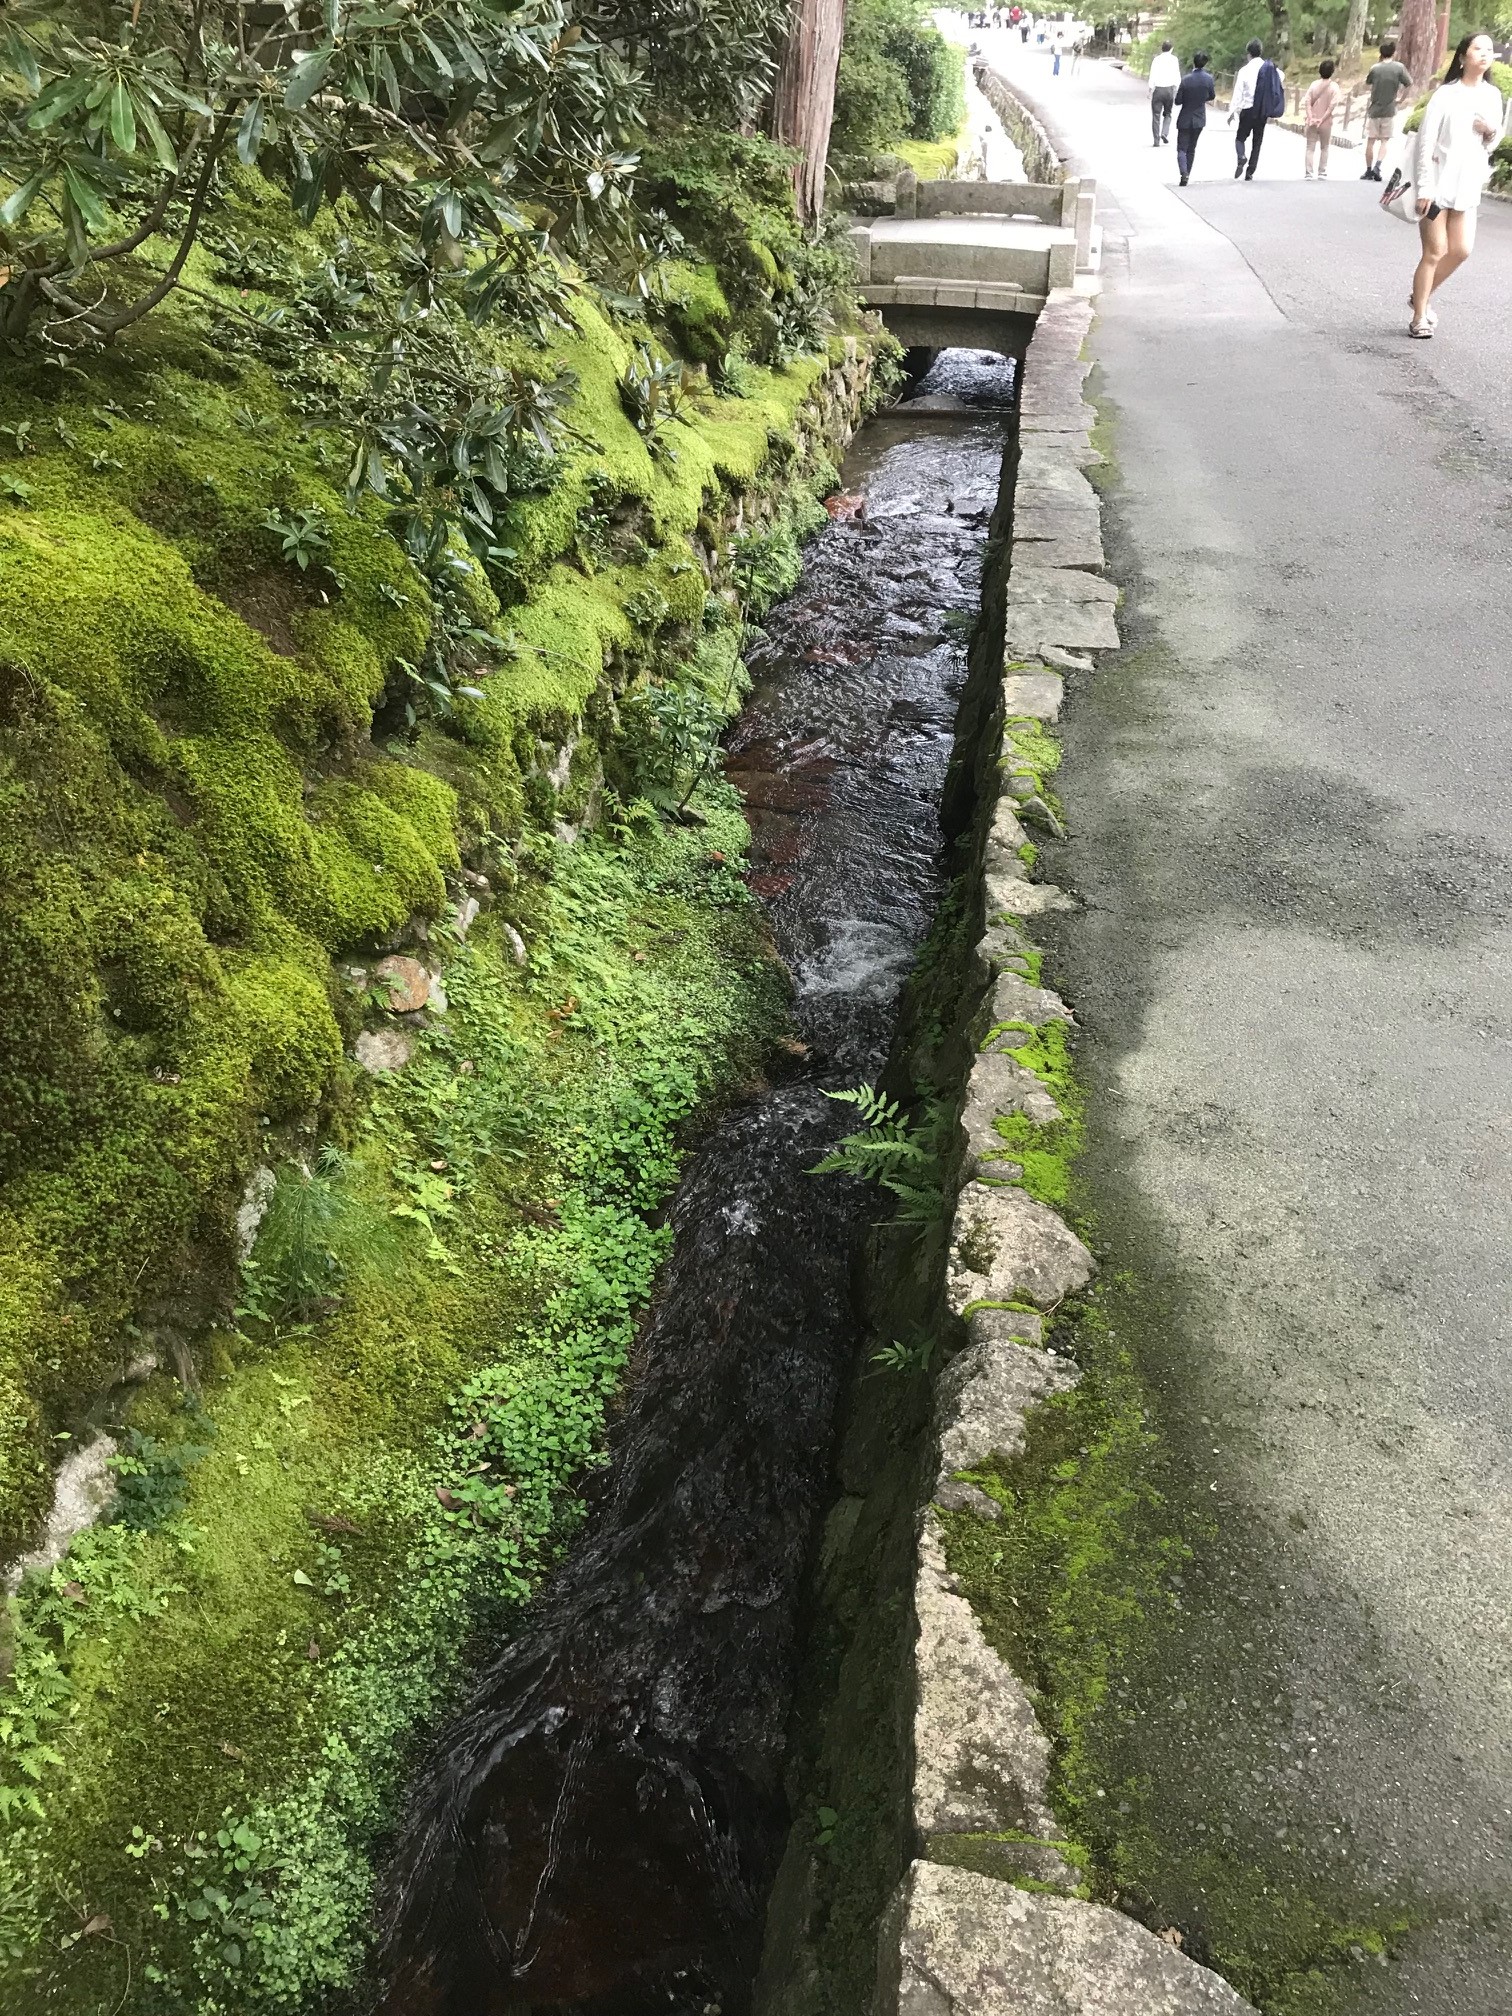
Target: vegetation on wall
[899, 80]
[371, 598]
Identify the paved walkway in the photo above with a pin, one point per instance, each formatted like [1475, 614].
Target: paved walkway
[1292, 795]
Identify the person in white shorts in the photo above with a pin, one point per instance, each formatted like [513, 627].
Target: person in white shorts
[1463, 122]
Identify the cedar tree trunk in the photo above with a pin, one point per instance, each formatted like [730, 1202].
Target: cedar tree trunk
[803, 103]
[1417, 40]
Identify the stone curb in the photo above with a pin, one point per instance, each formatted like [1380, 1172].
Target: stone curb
[991, 1919]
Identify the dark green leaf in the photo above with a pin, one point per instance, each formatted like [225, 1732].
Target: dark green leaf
[249, 135]
[122, 118]
[306, 78]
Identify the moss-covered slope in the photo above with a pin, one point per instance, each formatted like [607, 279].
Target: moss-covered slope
[339, 1461]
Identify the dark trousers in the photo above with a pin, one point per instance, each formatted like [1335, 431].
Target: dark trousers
[1162, 98]
[1250, 122]
[1186, 147]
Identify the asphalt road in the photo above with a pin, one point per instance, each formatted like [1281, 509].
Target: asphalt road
[1293, 835]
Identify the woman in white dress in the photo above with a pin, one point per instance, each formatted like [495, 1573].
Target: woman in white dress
[1461, 125]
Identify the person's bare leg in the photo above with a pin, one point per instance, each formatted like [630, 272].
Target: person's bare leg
[1434, 235]
[1460, 242]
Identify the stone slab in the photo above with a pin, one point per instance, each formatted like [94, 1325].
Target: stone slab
[959, 1944]
[1028, 582]
[1089, 626]
[1036, 694]
[981, 1759]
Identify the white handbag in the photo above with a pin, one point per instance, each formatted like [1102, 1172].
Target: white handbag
[1399, 177]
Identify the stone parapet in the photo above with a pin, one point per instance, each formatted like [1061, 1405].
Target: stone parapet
[991, 1917]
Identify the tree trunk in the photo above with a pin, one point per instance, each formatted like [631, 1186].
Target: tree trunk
[1354, 35]
[803, 103]
[1417, 40]
[1280, 48]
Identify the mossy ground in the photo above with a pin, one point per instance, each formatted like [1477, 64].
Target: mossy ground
[204, 1724]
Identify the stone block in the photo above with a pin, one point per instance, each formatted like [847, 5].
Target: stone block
[959, 1944]
[981, 1759]
[1014, 897]
[1008, 1247]
[1037, 694]
[1015, 1000]
[999, 1087]
[982, 1404]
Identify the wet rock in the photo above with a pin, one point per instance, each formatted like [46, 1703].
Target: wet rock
[406, 982]
[959, 1944]
[379, 1050]
[1008, 1247]
[983, 1761]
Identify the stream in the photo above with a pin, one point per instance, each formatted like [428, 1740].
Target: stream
[599, 1832]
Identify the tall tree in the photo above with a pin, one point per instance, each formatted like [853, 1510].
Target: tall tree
[803, 103]
[1354, 35]
[1417, 39]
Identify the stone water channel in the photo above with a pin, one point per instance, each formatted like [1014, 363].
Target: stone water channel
[602, 1827]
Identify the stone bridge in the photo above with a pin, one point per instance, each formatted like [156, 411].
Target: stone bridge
[971, 264]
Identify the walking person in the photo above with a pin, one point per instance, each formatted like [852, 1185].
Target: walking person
[1165, 75]
[1388, 83]
[1060, 50]
[1259, 95]
[1318, 109]
[1194, 94]
[1463, 122]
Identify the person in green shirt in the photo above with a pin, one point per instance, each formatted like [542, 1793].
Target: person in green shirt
[1388, 83]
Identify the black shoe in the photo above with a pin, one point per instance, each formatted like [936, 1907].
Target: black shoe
[1183, 181]
[1238, 170]
[1368, 176]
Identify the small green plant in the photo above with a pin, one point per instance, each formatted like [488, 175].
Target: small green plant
[152, 1480]
[679, 728]
[889, 1152]
[304, 536]
[315, 1229]
[907, 1354]
[653, 391]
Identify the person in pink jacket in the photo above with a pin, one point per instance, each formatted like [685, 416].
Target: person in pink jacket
[1318, 109]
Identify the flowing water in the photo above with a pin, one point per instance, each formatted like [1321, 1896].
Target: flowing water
[600, 1830]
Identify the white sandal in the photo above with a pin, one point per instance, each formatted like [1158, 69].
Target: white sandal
[1421, 330]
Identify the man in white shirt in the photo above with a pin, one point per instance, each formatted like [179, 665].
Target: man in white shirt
[1165, 75]
[1251, 117]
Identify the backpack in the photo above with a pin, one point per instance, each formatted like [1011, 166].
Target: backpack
[1270, 92]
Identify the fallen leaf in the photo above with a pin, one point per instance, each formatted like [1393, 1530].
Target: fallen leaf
[1171, 1936]
[447, 1498]
[230, 1750]
[75, 1592]
[98, 1926]
[301, 1580]
[333, 1522]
